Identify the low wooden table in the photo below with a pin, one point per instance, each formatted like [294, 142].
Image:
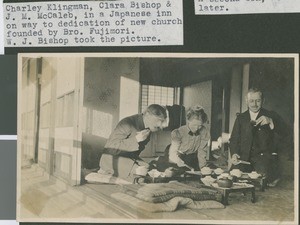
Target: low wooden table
[237, 187]
[148, 179]
[260, 181]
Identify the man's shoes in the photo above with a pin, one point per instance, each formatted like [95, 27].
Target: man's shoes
[274, 183]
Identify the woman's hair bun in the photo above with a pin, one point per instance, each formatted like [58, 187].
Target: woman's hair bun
[198, 108]
[197, 111]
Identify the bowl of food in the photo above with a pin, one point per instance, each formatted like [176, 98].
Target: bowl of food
[141, 170]
[218, 171]
[154, 173]
[254, 175]
[236, 172]
[225, 183]
[224, 175]
[206, 171]
[169, 172]
[208, 180]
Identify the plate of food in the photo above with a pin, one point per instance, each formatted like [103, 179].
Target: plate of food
[208, 180]
[254, 175]
[206, 171]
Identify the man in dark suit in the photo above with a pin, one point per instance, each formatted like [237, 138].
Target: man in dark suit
[128, 140]
[252, 138]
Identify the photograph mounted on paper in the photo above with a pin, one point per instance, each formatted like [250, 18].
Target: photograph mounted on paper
[185, 138]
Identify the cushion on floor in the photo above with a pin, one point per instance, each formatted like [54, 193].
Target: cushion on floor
[168, 206]
[162, 192]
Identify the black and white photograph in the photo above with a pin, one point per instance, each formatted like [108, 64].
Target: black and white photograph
[158, 137]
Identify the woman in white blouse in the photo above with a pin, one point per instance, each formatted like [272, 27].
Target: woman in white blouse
[189, 143]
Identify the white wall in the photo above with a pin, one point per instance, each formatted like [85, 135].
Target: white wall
[66, 70]
[107, 82]
[111, 92]
[28, 108]
[129, 98]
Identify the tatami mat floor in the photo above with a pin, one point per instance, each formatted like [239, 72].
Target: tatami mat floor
[47, 199]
